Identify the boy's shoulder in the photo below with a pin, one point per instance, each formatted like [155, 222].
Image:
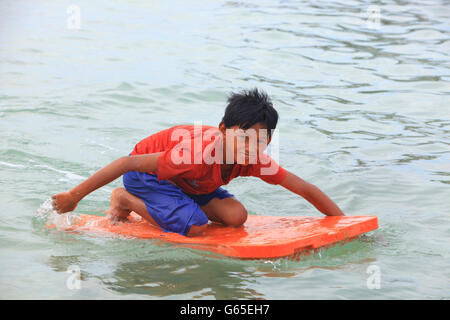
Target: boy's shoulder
[192, 132]
[189, 128]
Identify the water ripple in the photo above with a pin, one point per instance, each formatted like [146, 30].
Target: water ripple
[364, 115]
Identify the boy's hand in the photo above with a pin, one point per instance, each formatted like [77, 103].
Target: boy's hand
[64, 202]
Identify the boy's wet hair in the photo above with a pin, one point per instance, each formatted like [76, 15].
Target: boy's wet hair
[249, 107]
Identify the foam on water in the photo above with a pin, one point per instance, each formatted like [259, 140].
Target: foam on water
[46, 214]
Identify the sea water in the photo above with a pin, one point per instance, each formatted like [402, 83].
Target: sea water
[362, 91]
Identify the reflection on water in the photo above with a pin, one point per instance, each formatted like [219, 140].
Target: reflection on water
[207, 279]
[161, 270]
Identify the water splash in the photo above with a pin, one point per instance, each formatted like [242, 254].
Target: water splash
[49, 216]
[276, 264]
[319, 253]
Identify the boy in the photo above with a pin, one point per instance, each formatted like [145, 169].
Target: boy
[181, 193]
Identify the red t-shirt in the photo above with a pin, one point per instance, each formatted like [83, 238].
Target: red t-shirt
[188, 159]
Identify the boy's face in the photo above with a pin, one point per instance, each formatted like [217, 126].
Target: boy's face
[243, 146]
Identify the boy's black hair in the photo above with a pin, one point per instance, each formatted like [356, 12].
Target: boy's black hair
[248, 108]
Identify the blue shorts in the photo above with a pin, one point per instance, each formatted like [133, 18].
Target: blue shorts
[171, 208]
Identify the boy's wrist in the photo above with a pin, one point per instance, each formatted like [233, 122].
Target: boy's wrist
[76, 195]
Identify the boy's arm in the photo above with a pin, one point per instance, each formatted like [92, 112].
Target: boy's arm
[67, 201]
[311, 193]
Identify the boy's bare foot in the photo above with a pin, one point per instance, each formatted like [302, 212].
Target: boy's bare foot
[117, 210]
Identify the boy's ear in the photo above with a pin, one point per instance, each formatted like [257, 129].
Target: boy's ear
[222, 126]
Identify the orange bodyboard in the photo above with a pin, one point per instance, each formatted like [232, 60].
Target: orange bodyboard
[260, 237]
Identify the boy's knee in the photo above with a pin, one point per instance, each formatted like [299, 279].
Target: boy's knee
[237, 218]
[127, 201]
[197, 230]
[117, 194]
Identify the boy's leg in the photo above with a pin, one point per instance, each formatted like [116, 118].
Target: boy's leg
[228, 211]
[123, 202]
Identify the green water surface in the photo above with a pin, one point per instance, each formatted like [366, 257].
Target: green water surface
[364, 115]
